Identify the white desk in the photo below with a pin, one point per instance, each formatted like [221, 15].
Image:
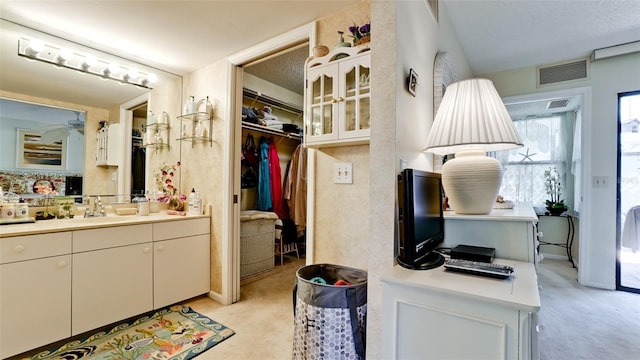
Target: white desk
[438, 314]
[512, 232]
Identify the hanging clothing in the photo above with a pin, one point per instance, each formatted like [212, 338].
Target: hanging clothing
[138, 159]
[275, 180]
[296, 187]
[264, 186]
[631, 229]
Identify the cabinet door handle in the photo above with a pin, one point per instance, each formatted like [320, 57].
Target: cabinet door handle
[161, 248]
[340, 98]
[146, 250]
[62, 264]
[18, 248]
[334, 100]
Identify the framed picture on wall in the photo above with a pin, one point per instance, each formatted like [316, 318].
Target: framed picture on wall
[33, 153]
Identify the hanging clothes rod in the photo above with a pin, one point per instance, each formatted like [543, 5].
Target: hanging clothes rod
[273, 102]
[267, 130]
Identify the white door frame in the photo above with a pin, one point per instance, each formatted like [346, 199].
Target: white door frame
[126, 122]
[231, 208]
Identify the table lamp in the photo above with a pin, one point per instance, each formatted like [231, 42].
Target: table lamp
[470, 121]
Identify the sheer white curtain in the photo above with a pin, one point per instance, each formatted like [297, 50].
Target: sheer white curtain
[545, 142]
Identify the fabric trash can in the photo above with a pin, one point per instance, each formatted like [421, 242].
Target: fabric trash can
[330, 312]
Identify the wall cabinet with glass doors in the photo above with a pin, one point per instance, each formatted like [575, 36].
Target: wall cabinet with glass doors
[338, 97]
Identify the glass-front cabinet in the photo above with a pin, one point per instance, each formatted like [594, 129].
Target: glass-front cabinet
[338, 97]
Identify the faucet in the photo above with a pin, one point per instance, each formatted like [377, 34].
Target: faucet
[98, 208]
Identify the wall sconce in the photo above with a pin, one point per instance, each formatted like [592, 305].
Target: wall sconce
[34, 49]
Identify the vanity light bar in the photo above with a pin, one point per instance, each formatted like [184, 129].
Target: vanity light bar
[34, 49]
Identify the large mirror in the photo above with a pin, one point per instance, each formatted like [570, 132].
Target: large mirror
[40, 101]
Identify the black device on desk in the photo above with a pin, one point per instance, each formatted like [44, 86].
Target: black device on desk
[420, 219]
[473, 253]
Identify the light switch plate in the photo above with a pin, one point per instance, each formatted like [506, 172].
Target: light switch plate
[343, 173]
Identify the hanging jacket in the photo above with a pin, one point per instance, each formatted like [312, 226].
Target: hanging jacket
[296, 187]
[276, 180]
[264, 186]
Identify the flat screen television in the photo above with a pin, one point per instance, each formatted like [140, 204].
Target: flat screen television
[420, 220]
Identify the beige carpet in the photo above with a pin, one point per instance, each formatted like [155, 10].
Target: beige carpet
[579, 322]
[262, 319]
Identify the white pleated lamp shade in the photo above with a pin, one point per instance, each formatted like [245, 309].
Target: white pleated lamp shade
[472, 120]
[472, 116]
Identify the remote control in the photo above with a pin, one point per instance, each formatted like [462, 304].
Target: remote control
[479, 268]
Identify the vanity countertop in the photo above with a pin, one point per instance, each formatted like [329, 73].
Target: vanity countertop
[81, 223]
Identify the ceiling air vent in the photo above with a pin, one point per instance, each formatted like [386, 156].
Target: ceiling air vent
[555, 104]
[568, 71]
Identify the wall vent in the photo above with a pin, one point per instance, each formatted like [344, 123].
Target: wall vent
[567, 71]
[555, 104]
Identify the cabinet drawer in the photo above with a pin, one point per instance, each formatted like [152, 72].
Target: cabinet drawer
[182, 228]
[95, 239]
[20, 248]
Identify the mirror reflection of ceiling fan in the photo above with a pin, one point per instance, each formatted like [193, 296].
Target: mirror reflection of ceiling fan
[57, 132]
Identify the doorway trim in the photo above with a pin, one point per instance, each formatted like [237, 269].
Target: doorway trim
[233, 131]
[126, 119]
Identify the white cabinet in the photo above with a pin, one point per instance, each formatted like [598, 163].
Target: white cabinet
[35, 291]
[112, 275]
[512, 232]
[181, 259]
[109, 145]
[338, 97]
[437, 314]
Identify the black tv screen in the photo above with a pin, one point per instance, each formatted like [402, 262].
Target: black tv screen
[420, 220]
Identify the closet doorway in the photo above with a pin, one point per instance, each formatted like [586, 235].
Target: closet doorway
[269, 97]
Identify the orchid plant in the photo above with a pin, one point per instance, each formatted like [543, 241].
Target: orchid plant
[553, 187]
[359, 32]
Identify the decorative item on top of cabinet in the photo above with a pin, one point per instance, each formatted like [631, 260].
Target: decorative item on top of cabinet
[108, 145]
[157, 131]
[338, 97]
[196, 127]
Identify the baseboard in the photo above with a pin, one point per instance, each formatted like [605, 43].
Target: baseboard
[555, 256]
[215, 296]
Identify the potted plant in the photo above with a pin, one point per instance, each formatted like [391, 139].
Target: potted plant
[555, 205]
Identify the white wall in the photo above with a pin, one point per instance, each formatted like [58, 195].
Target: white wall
[400, 124]
[598, 218]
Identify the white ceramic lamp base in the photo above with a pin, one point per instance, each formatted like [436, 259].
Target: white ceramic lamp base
[471, 181]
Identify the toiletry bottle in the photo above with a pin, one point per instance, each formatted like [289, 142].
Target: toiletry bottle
[142, 204]
[190, 106]
[195, 203]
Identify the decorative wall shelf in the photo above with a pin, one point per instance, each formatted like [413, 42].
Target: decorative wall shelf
[196, 128]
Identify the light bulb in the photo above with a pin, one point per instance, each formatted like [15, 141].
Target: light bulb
[89, 61]
[153, 78]
[133, 74]
[36, 45]
[64, 55]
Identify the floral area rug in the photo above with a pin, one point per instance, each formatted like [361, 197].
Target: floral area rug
[176, 332]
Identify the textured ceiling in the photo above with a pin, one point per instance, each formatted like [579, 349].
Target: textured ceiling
[285, 70]
[499, 35]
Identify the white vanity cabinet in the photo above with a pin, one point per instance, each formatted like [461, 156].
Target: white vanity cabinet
[35, 291]
[112, 275]
[338, 98]
[181, 259]
[437, 314]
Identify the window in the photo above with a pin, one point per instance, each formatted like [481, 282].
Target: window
[547, 144]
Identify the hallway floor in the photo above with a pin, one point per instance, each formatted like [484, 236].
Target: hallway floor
[262, 319]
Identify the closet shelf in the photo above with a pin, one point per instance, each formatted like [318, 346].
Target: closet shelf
[273, 102]
[264, 129]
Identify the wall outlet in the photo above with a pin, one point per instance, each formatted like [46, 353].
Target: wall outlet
[343, 173]
[600, 182]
